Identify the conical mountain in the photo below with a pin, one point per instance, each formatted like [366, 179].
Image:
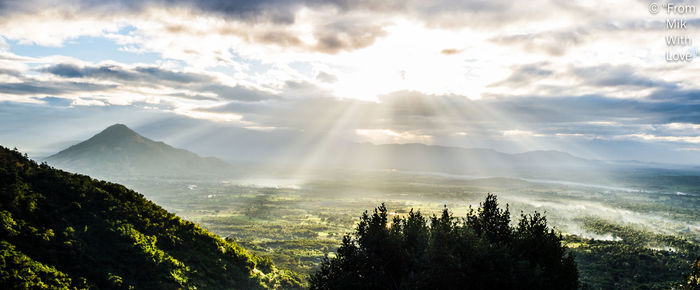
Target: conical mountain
[119, 151]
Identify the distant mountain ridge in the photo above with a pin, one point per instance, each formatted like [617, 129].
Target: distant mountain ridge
[118, 150]
[457, 160]
[288, 148]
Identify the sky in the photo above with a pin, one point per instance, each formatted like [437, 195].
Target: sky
[587, 77]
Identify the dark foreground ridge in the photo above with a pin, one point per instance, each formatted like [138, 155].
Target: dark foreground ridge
[61, 230]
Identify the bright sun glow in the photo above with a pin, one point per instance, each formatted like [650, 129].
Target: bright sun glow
[417, 58]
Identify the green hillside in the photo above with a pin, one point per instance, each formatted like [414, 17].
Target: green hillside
[60, 230]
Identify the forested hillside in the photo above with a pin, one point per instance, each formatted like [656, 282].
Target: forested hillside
[63, 230]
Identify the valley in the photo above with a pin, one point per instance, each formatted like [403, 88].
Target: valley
[298, 221]
[642, 222]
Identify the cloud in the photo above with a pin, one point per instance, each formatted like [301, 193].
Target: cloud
[579, 125]
[520, 133]
[3, 44]
[553, 43]
[343, 28]
[32, 87]
[619, 76]
[570, 73]
[310, 25]
[386, 136]
[450, 51]
[142, 74]
[347, 35]
[197, 84]
[54, 101]
[10, 72]
[683, 126]
[525, 75]
[682, 139]
[326, 77]
[66, 70]
[46, 127]
[262, 41]
[440, 116]
[688, 96]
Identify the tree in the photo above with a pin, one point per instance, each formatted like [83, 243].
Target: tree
[692, 281]
[481, 251]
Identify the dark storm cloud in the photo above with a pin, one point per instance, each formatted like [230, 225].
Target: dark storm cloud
[151, 76]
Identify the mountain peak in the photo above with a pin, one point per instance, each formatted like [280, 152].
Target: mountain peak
[118, 150]
[116, 135]
[118, 130]
[117, 127]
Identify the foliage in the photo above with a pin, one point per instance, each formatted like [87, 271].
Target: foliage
[481, 251]
[22, 272]
[65, 231]
[304, 222]
[692, 281]
[634, 259]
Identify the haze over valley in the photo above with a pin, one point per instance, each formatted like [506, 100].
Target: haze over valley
[279, 210]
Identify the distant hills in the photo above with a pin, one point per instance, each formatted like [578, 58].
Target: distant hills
[60, 230]
[422, 157]
[285, 148]
[119, 151]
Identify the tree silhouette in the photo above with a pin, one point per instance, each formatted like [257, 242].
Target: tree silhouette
[481, 251]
